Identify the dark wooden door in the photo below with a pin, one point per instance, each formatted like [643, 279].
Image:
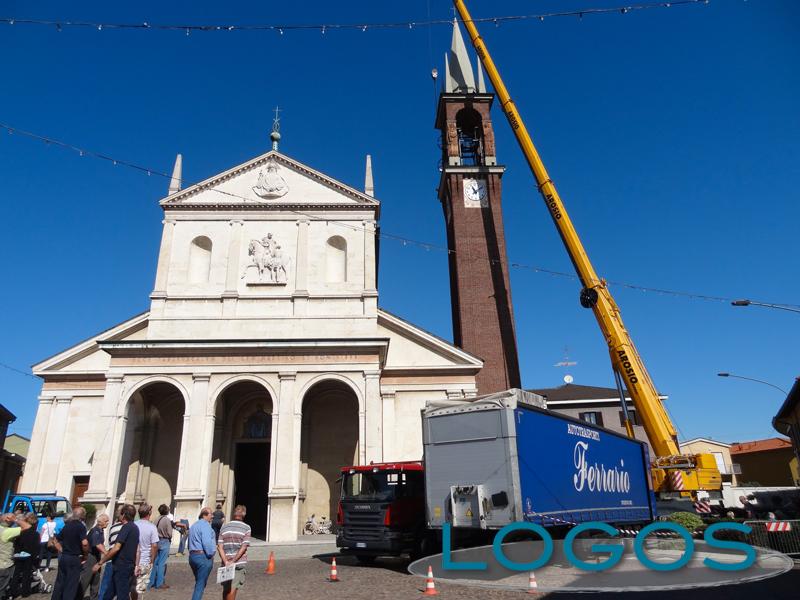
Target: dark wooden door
[80, 483]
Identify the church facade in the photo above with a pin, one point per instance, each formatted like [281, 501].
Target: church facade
[263, 365]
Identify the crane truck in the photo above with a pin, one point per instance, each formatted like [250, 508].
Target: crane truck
[674, 474]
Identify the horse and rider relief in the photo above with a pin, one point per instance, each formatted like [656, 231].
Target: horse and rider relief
[268, 263]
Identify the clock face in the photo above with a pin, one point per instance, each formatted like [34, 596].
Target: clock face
[475, 194]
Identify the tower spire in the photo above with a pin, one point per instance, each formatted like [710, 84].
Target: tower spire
[460, 67]
[275, 136]
[177, 175]
[481, 82]
[369, 186]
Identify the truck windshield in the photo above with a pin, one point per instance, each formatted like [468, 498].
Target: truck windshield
[54, 508]
[380, 486]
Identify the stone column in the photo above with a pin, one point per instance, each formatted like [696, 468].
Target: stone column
[374, 417]
[286, 447]
[159, 294]
[370, 293]
[387, 399]
[109, 434]
[33, 465]
[369, 256]
[232, 275]
[300, 296]
[191, 487]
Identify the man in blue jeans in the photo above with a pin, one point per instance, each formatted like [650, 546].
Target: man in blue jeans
[164, 527]
[202, 547]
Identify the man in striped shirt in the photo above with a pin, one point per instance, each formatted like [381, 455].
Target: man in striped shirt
[234, 538]
[108, 571]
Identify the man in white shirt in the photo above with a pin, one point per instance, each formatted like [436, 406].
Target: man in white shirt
[148, 547]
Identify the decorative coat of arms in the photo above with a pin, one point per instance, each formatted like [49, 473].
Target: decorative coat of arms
[270, 182]
[269, 261]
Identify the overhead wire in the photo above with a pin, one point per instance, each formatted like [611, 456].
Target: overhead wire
[405, 241]
[188, 28]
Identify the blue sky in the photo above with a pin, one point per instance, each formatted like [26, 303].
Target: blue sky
[672, 135]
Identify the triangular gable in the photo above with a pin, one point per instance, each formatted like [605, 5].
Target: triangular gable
[86, 356]
[270, 180]
[416, 349]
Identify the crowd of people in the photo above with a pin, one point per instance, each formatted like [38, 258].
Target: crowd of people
[122, 561]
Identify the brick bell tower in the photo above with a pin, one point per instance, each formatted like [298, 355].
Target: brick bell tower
[470, 192]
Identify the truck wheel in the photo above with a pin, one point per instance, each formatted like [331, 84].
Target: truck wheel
[426, 546]
[365, 560]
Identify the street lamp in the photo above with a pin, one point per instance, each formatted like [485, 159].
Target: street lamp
[751, 379]
[746, 302]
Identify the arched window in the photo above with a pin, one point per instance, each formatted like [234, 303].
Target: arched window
[470, 136]
[199, 259]
[336, 264]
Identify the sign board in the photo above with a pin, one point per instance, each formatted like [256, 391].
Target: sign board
[226, 573]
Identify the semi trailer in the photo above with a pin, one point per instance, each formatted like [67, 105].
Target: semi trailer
[488, 462]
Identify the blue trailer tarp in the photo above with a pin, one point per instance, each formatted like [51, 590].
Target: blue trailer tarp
[571, 472]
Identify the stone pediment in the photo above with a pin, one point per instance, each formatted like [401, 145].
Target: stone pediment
[414, 350]
[271, 180]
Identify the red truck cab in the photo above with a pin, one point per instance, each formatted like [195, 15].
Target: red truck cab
[381, 510]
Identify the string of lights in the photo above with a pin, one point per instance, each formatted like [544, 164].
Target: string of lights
[405, 241]
[19, 371]
[323, 28]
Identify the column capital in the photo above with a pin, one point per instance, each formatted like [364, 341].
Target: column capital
[168, 222]
[388, 395]
[455, 395]
[114, 378]
[287, 375]
[63, 399]
[201, 377]
[47, 399]
[372, 374]
[233, 222]
[302, 222]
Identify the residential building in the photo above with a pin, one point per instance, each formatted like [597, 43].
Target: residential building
[722, 453]
[768, 462]
[12, 465]
[787, 421]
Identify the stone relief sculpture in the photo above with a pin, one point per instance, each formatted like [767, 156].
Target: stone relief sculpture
[267, 257]
[270, 182]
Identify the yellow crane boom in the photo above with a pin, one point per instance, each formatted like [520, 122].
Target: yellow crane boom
[690, 473]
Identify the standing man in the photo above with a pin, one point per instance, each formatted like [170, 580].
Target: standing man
[108, 572]
[202, 547]
[217, 519]
[148, 547]
[233, 542]
[73, 548]
[122, 556]
[164, 528]
[90, 580]
[26, 543]
[7, 536]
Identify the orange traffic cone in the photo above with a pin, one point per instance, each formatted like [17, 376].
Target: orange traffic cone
[334, 576]
[430, 586]
[533, 587]
[270, 564]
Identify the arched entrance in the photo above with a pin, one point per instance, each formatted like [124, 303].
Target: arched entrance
[329, 441]
[240, 457]
[152, 447]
